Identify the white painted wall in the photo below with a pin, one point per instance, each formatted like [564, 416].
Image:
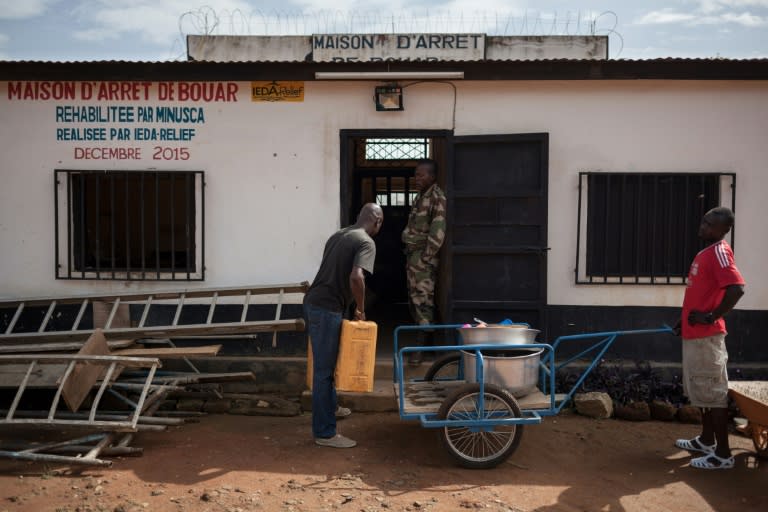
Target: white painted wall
[625, 126]
[272, 171]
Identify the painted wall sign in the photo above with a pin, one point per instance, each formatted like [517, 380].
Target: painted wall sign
[400, 47]
[126, 120]
[277, 91]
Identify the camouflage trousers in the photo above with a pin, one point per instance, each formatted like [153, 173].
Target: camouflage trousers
[421, 287]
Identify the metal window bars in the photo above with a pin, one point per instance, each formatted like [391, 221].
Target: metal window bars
[396, 148]
[129, 225]
[640, 228]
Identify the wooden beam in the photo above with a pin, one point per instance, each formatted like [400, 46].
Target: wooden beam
[73, 346]
[170, 352]
[194, 378]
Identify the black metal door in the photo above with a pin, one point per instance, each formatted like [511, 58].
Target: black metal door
[497, 240]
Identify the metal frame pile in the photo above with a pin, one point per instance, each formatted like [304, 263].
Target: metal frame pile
[96, 405]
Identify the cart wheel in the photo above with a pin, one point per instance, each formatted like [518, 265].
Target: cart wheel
[760, 439]
[445, 367]
[480, 448]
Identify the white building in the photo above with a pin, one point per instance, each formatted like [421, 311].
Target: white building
[575, 182]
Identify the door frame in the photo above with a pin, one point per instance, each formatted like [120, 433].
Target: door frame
[347, 161]
[444, 292]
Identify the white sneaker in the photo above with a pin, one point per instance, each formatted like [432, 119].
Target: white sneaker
[342, 412]
[337, 441]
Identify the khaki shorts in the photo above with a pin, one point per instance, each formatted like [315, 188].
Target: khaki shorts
[705, 378]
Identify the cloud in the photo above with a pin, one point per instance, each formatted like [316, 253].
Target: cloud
[746, 19]
[712, 12]
[154, 21]
[313, 16]
[96, 34]
[739, 3]
[160, 22]
[24, 9]
[713, 6]
[665, 16]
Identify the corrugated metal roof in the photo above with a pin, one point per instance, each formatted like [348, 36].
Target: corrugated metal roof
[670, 68]
[187, 62]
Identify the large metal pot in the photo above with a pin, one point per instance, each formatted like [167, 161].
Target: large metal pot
[498, 334]
[515, 370]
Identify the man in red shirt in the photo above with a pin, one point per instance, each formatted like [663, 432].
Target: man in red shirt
[714, 287]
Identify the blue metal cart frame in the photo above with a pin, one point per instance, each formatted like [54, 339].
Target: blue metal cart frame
[478, 423]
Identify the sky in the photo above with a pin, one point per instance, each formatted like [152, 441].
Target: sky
[155, 30]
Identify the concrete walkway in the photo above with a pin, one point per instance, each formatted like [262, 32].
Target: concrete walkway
[382, 398]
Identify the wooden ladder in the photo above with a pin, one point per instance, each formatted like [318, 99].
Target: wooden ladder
[113, 364]
[108, 424]
[44, 333]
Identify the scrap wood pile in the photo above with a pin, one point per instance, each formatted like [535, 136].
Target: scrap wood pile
[95, 388]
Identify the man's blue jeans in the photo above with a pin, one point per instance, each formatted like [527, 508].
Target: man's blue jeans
[324, 329]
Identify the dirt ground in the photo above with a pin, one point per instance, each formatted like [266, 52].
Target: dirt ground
[245, 463]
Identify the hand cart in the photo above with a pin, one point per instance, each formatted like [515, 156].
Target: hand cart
[481, 423]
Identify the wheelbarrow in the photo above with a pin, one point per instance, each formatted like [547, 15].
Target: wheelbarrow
[751, 398]
[480, 422]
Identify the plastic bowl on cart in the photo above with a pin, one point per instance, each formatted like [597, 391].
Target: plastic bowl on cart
[498, 334]
[516, 370]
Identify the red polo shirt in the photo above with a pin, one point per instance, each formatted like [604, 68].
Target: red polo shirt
[712, 271]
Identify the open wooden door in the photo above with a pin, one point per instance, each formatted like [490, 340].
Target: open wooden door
[495, 255]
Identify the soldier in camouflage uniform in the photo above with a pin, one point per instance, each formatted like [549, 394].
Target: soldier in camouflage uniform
[423, 237]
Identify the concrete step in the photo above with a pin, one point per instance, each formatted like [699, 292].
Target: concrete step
[382, 398]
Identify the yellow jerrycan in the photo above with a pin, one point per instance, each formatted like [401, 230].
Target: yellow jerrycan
[357, 357]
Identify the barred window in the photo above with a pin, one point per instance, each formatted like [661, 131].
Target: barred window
[396, 149]
[642, 228]
[129, 225]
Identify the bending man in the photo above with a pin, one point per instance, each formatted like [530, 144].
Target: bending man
[348, 254]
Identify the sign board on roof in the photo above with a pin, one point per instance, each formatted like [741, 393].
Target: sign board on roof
[397, 47]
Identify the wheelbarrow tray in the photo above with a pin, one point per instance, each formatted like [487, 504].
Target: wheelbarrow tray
[425, 397]
[747, 395]
[751, 398]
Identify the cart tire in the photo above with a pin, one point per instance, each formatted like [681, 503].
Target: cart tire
[483, 449]
[760, 439]
[445, 367]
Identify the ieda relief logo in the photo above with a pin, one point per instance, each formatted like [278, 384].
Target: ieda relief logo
[277, 91]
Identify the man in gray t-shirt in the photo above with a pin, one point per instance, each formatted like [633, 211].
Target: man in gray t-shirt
[340, 280]
[347, 248]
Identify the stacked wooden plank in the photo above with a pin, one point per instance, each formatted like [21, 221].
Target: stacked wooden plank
[105, 381]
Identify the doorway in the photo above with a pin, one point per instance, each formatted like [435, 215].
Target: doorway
[378, 166]
[494, 259]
